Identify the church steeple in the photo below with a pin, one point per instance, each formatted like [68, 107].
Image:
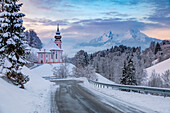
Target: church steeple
[58, 36]
[58, 31]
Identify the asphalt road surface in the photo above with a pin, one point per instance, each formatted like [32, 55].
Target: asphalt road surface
[71, 97]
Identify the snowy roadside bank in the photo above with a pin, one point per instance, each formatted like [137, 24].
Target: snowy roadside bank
[143, 101]
[35, 98]
[37, 95]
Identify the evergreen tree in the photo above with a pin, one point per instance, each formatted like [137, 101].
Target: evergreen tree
[152, 46]
[128, 76]
[11, 41]
[157, 48]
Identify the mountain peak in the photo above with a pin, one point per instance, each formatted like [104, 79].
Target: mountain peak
[132, 38]
[132, 30]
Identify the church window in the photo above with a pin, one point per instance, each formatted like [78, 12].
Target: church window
[52, 56]
[56, 55]
[41, 55]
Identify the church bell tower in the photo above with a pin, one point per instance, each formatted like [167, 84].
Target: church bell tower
[58, 37]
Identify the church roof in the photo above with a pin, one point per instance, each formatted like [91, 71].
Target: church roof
[50, 46]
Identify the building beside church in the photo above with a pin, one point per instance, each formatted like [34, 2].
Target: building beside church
[52, 52]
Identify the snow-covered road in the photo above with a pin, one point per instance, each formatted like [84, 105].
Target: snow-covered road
[71, 97]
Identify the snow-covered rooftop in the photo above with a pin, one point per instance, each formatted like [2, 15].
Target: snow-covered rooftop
[50, 46]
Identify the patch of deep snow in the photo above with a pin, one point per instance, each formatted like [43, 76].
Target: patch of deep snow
[35, 98]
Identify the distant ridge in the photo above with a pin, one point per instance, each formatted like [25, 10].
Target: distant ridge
[131, 38]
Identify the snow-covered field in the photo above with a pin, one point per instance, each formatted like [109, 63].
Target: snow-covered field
[159, 68]
[102, 79]
[46, 69]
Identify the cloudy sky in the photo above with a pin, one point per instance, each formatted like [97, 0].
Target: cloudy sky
[83, 20]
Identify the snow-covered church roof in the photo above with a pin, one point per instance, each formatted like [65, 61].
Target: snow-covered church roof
[50, 46]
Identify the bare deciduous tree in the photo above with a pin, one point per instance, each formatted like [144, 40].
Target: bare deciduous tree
[155, 80]
[166, 79]
[87, 72]
[62, 71]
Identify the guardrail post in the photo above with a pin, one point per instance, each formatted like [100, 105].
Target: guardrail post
[145, 92]
[164, 95]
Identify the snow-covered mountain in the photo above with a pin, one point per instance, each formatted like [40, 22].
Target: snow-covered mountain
[131, 38]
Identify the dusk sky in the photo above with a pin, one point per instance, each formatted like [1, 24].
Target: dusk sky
[83, 20]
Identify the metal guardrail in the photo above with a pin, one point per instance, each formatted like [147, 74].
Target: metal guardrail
[35, 66]
[141, 89]
[52, 78]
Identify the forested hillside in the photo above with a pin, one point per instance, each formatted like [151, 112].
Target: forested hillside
[116, 63]
[32, 39]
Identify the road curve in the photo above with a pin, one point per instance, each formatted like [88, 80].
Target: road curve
[73, 98]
